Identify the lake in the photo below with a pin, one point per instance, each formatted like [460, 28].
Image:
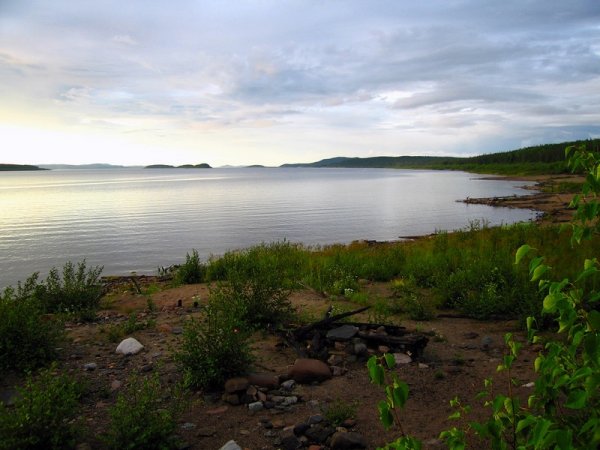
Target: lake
[138, 219]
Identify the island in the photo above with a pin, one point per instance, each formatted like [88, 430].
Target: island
[184, 166]
[18, 167]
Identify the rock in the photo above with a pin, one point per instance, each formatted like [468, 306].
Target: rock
[188, 426]
[288, 385]
[289, 441]
[236, 384]
[349, 423]
[292, 400]
[402, 358]
[146, 368]
[232, 399]
[129, 346]
[261, 396]
[217, 411]
[115, 385]
[300, 428]
[90, 366]
[335, 360]
[319, 434]
[344, 333]
[317, 418]
[360, 348]
[529, 385]
[306, 370]
[423, 366]
[266, 380]
[176, 330]
[348, 441]
[486, 343]
[231, 445]
[383, 349]
[255, 406]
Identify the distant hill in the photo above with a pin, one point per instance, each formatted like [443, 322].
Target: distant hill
[84, 166]
[184, 166]
[17, 167]
[547, 158]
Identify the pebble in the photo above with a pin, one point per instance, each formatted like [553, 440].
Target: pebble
[90, 366]
[288, 385]
[188, 426]
[231, 445]
[255, 406]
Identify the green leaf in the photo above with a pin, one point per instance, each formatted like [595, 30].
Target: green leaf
[390, 360]
[593, 319]
[385, 415]
[376, 372]
[539, 271]
[400, 394]
[551, 302]
[525, 423]
[522, 252]
[576, 399]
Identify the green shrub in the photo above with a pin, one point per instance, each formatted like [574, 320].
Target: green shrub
[117, 331]
[418, 308]
[215, 347]
[338, 411]
[192, 271]
[140, 419]
[43, 414]
[28, 339]
[77, 290]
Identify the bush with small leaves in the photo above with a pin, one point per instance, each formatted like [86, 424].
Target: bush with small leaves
[215, 347]
[43, 415]
[144, 416]
[192, 271]
[76, 290]
[28, 338]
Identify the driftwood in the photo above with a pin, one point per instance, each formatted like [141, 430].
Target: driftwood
[301, 332]
[313, 341]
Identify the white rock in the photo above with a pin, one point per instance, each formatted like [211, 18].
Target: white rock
[402, 358]
[529, 385]
[129, 346]
[231, 445]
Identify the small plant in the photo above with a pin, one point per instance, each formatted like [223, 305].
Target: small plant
[192, 271]
[396, 390]
[76, 290]
[117, 331]
[417, 308]
[28, 338]
[43, 414]
[339, 411]
[140, 420]
[215, 347]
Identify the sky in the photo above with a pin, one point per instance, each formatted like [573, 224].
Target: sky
[272, 82]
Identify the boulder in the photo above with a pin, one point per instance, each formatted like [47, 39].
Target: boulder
[266, 380]
[129, 346]
[236, 384]
[348, 441]
[306, 370]
[402, 358]
[343, 333]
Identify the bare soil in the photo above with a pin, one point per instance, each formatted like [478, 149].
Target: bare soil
[460, 355]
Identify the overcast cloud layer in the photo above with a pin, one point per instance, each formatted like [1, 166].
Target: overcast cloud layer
[268, 82]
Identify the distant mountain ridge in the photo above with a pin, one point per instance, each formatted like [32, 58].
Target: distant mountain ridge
[184, 166]
[85, 166]
[18, 167]
[547, 158]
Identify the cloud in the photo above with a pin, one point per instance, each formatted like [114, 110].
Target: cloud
[471, 71]
[124, 39]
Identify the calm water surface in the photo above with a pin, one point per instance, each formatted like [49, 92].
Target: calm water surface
[136, 219]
